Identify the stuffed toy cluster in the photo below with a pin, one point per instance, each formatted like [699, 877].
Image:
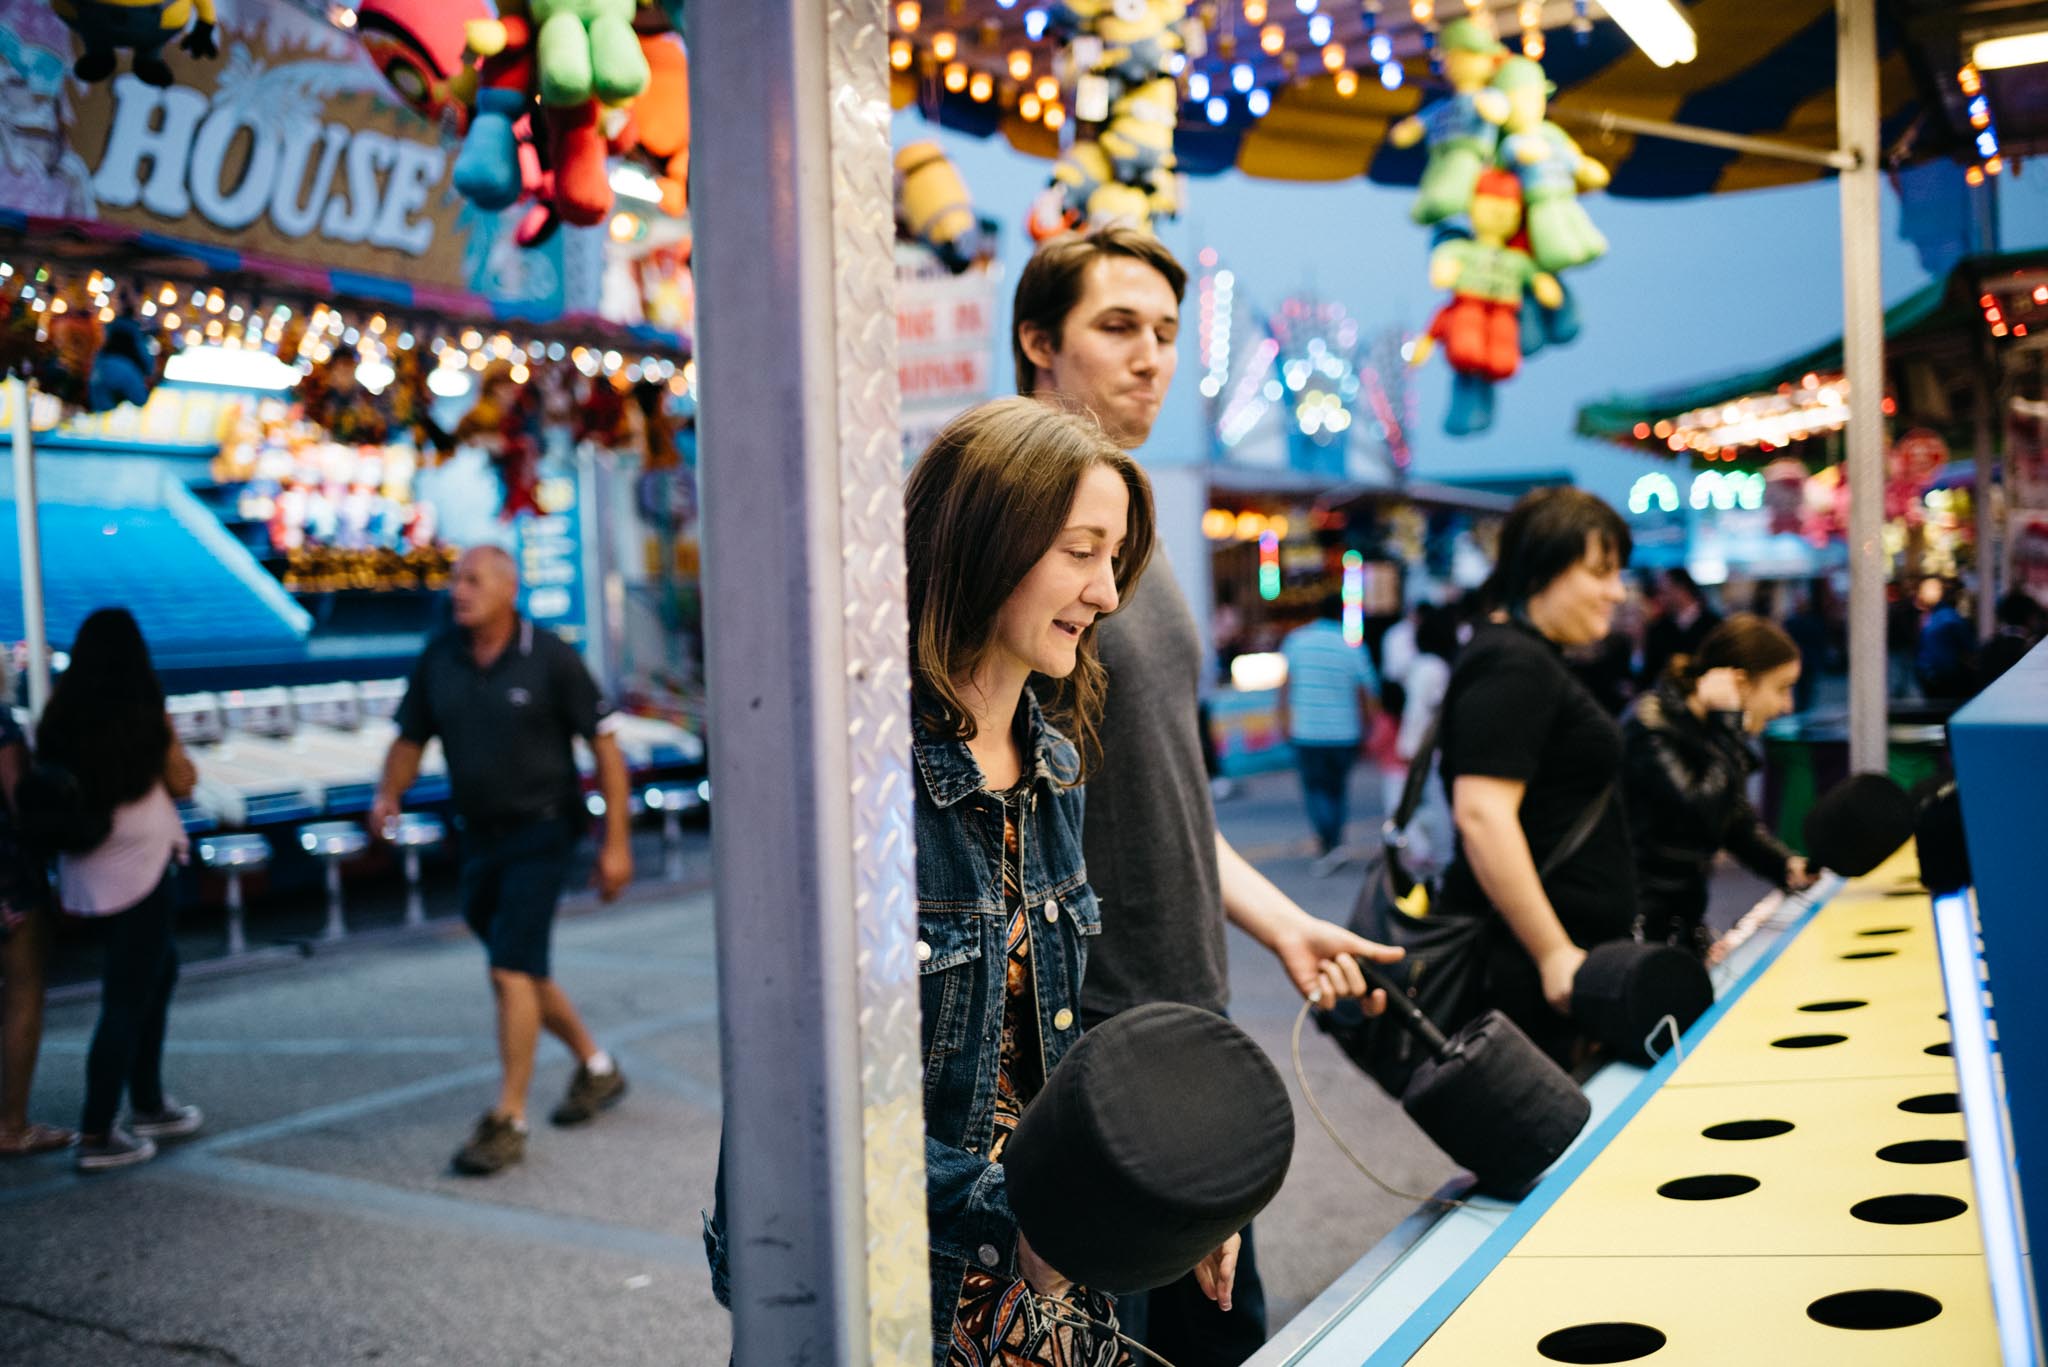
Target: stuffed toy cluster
[544, 92]
[1123, 168]
[1501, 189]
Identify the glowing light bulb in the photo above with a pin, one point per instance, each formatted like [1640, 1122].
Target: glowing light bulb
[945, 45]
[1272, 38]
[1347, 83]
[1020, 65]
[956, 77]
[899, 54]
[1333, 58]
[909, 15]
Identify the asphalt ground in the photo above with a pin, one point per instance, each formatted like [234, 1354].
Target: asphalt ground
[315, 1220]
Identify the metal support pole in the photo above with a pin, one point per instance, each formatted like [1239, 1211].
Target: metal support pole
[1989, 552]
[337, 927]
[238, 935]
[30, 536]
[415, 899]
[807, 641]
[1863, 351]
[1614, 121]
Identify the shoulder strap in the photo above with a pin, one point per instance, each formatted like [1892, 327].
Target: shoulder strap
[1418, 777]
[1581, 831]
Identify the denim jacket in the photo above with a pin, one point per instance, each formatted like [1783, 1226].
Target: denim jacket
[963, 959]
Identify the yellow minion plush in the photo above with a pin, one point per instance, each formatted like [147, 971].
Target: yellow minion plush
[933, 206]
[142, 26]
[1139, 38]
[1139, 135]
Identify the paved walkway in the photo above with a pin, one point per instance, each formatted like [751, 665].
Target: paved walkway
[314, 1220]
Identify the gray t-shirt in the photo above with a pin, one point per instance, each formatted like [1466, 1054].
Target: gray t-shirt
[1149, 832]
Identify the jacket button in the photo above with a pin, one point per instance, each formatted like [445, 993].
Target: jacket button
[924, 952]
[1063, 1019]
[1052, 911]
[988, 1255]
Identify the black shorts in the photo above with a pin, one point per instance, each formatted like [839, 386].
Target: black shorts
[512, 876]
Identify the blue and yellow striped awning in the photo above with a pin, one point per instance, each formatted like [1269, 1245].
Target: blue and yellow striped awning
[1766, 69]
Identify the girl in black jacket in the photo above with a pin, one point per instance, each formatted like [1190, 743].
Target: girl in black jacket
[1687, 762]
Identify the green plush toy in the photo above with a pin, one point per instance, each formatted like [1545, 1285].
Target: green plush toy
[586, 48]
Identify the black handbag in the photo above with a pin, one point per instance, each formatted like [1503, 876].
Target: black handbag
[1444, 970]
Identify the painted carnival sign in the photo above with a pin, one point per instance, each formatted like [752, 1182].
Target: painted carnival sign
[290, 146]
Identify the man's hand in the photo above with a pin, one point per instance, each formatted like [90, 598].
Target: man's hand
[614, 868]
[1217, 1273]
[1321, 959]
[1559, 970]
[1039, 1274]
[383, 815]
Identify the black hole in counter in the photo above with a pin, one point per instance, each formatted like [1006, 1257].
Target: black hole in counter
[1846, 1004]
[1925, 1151]
[1942, 1016]
[1941, 1050]
[1748, 1129]
[1876, 931]
[1713, 1186]
[1934, 1103]
[1910, 1209]
[1874, 1309]
[1807, 1041]
[1616, 1342]
[1871, 954]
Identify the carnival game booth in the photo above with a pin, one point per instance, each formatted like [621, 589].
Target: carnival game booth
[184, 268]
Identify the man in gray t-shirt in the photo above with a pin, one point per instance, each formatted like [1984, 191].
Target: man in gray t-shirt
[1095, 325]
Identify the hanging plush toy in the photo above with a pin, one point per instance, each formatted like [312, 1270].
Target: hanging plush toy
[419, 46]
[659, 131]
[586, 49]
[144, 27]
[503, 423]
[1481, 328]
[1552, 169]
[933, 206]
[1464, 128]
[1140, 38]
[1139, 135]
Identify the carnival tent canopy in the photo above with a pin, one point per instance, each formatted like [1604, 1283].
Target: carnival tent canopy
[1944, 320]
[1765, 69]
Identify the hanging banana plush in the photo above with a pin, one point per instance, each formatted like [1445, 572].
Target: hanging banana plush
[144, 27]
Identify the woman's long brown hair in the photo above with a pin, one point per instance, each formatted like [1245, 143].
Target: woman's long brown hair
[985, 502]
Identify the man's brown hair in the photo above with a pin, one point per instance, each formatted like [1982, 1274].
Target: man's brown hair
[1051, 284]
[984, 503]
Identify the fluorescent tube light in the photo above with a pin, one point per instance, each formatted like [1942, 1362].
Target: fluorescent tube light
[2015, 49]
[1657, 28]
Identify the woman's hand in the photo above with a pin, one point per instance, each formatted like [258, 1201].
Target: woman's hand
[1720, 690]
[1559, 969]
[1798, 876]
[1217, 1273]
[1037, 1273]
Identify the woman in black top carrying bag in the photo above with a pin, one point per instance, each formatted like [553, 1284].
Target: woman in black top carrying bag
[1532, 763]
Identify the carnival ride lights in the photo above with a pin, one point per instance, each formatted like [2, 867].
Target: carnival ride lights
[1269, 566]
[1727, 490]
[1354, 598]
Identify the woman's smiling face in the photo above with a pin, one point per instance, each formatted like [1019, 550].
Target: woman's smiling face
[1041, 623]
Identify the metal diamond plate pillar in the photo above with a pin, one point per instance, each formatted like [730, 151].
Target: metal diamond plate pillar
[1856, 113]
[807, 644]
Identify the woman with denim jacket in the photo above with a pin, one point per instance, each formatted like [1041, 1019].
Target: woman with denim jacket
[1023, 525]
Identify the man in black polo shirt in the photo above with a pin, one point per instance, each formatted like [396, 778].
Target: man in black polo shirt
[506, 697]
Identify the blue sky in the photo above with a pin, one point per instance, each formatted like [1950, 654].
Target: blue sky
[1690, 289]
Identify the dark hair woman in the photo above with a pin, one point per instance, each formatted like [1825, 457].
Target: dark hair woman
[105, 724]
[1532, 763]
[1687, 764]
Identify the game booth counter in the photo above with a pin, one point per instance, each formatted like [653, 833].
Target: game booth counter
[186, 270]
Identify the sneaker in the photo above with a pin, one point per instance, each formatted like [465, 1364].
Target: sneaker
[174, 1121]
[589, 1093]
[1329, 863]
[496, 1144]
[117, 1149]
